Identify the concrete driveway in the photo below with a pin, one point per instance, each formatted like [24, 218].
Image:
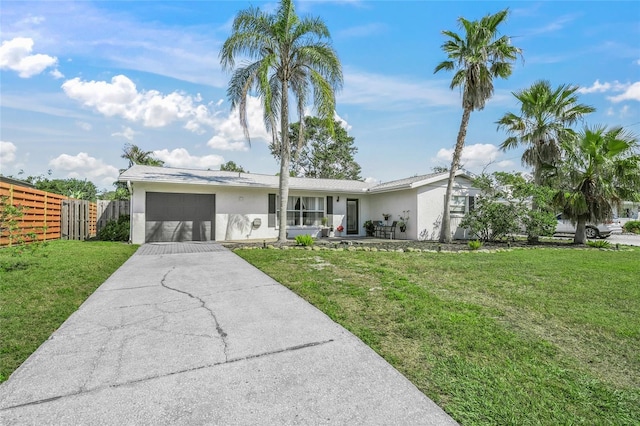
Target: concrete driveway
[192, 334]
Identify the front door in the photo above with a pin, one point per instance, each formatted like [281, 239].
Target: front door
[352, 217]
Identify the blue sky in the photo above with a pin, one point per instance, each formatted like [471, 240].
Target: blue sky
[81, 79]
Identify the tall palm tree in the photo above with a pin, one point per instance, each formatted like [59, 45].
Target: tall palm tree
[286, 54]
[477, 57]
[600, 168]
[135, 155]
[546, 116]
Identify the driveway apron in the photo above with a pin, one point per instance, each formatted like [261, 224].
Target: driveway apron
[189, 333]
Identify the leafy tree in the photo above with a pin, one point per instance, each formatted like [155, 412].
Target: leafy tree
[230, 166]
[504, 207]
[600, 168]
[285, 55]
[71, 187]
[323, 155]
[135, 155]
[546, 116]
[477, 58]
[121, 192]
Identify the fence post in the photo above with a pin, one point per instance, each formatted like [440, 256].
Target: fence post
[64, 223]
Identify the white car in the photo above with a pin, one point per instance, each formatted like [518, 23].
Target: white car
[601, 230]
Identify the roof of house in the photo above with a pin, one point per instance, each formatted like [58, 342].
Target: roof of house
[139, 173]
[415, 181]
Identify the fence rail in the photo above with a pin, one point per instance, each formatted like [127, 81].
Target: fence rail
[43, 214]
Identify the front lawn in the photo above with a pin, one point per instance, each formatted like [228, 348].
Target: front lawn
[38, 292]
[541, 336]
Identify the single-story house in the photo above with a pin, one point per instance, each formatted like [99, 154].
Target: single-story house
[174, 204]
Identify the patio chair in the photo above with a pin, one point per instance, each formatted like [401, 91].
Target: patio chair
[378, 229]
[391, 230]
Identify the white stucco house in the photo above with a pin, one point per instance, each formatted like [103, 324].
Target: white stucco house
[173, 204]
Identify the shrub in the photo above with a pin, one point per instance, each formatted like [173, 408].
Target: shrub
[304, 240]
[632, 226]
[504, 207]
[599, 244]
[370, 227]
[475, 244]
[115, 230]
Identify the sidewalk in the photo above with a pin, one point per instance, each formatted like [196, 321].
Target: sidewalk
[192, 334]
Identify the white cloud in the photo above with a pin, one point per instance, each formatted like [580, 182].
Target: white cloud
[180, 157]
[84, 125]
[342, 121]
[121, 98]
[16, 55]
[230, 136]
[127, 133]
[83, 166]
[598, 87]
[81, 28]
[56, 74]
[631, 93]
[383, 92]
[475, 157]
[7, 152]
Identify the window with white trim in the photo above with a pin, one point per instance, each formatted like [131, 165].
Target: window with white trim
[458, 205]
[304, 211]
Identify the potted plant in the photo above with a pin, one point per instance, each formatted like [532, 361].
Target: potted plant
[325, 229]
[370, 227]
[386, 216]
[402, 224]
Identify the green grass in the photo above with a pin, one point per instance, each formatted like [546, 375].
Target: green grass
[544, 336]
[38, 292]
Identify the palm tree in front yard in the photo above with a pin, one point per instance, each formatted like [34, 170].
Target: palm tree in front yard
[284, 55]
[477, 57]
[545, 118]
[601, 168]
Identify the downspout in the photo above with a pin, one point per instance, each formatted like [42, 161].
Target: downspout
[130, 188]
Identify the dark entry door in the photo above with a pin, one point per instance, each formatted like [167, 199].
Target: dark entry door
[352, 217]
[179, 217]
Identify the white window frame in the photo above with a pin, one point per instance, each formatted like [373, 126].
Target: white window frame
[458, 205]
[303, 215]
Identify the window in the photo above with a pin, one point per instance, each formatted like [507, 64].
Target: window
[458, 204]
[305, 211]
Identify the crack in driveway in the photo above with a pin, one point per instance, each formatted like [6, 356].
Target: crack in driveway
[203, 304]
[187, 370]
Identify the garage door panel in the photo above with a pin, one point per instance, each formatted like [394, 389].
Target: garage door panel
[174, 217]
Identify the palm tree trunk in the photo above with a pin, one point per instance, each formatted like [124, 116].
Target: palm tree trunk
[285, 158]
[581, 232]
[445, 229]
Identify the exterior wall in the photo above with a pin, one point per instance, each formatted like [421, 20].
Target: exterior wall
[396, 204]
[431, 206]
[238, 210]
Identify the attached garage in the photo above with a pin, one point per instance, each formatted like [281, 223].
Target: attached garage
[172, 217]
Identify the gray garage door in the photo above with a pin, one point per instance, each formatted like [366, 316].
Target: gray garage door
[179, 217]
